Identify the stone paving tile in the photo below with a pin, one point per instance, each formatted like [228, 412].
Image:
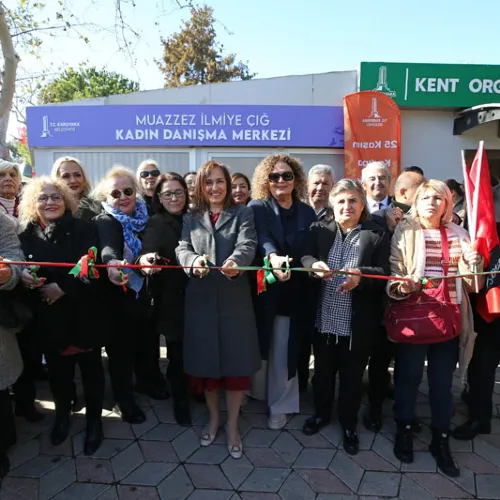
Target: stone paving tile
[207, 477]
[384, 448]
[316, 441]
[255, 406]
[211, 455]
[137, 493]
[347, 470]
[423, 462]
[326, 496]
[369, 460]
[264, 457]
[94, 470]
[57, 479]
[314, 458]
[22, 453]
[410, 490]
[296, 422]
[466, 481]
[117, 430]
[177, 486]
[287, 447]
[438, 485]
[333, 433]
[265, 480]
[149, 474]
[186, 444]
[82, 491]
[259, 496]
[475, 463]
[47, 448]
[163, 432]
[488, 486]
[38, 466]
[108, 449]
[295, 488]
[487, 450]
[256, 420]
[211, 495]
[237, 470]
[19, 488]
[126, 461]
[158, 451]
[384, 484]
[260, 437]
[323, 481]
[164, 414]
[111, 494]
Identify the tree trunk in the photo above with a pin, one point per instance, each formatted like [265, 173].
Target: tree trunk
[11, 59]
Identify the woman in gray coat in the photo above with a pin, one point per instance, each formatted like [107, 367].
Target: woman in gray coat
[11, 364]
[220, 337]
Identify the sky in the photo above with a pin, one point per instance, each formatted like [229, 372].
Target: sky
[284, 37]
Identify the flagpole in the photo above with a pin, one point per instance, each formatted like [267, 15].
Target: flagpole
[475, 205]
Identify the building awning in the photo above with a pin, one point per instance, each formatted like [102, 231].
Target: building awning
[478, 115]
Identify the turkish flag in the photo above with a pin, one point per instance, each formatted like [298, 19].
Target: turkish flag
[483, 229]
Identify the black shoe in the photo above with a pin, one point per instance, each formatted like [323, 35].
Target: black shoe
[470, 429]
[60, 430]
[154, 392]
[313, 425]
[93, 436]
[416, 426]
[403, 445]
[440, 449]
[351, 442]
[182, 413]
[130, 412]
[372, 420]
[4, 465]
[29, 412]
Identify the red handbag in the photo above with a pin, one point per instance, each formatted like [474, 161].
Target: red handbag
[427, 316]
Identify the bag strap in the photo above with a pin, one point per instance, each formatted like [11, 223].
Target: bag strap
[445, 261]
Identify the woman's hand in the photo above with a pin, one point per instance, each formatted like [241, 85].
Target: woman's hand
[115, 275]
[29, 281]
[407, 287]
[5, 272]
[276, 261]
[51, 293]
[200, 267]
[323, 271]
[350, 282]
[149, 259]
[471, 256]
[228, 269]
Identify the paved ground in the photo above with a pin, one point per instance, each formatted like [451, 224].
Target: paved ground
[160, 460]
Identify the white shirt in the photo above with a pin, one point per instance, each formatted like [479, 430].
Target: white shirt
[373, 205]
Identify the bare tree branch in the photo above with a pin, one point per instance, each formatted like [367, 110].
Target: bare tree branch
[11, 60]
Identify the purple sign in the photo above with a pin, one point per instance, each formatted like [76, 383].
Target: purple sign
[185, 125]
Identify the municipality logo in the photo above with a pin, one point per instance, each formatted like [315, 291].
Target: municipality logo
[45, 127]
[374, 119]
[382, 83]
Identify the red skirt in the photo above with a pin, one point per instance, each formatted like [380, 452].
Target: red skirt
[198, 384]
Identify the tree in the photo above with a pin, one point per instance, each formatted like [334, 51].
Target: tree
[193, 56]
[73, 85]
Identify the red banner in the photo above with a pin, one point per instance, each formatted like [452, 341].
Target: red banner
[372, 124]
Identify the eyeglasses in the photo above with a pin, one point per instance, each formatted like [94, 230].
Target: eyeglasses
[116, 193]
[167, 195]
[149, 173]
[276, 176]
[44, 198]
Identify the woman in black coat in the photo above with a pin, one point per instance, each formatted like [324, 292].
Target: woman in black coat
[65, 306]
[349, 309]
[162, 235]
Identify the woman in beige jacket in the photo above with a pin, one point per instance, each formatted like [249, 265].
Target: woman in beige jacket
[415, 252]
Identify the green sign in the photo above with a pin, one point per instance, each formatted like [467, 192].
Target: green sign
[433, 85]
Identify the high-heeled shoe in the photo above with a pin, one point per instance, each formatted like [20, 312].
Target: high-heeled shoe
[236, 451]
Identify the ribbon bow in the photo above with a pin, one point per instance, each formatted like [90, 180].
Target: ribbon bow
[85, 267]
[265, 275]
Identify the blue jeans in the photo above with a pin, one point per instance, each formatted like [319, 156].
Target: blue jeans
[442, 359]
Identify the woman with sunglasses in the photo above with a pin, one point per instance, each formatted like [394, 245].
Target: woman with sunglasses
[120, 225]
[162, 235]
[147, 175]
[284, 313]
[65, 307]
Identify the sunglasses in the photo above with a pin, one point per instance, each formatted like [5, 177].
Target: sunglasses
[55, 197]
[116, 193]
[167, 195]
[149, 173]
[276, 176]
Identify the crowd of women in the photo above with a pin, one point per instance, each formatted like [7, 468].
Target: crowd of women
[221, 335]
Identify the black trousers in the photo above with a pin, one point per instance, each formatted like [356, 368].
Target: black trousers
[61, 380]
[378, 371]
[332, 355]
[482, 371]
[24, 387]
[304, 359]
[175, 371]
[147, 360]
[7, 424]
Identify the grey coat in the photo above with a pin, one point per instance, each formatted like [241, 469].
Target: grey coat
[220, 333]
[11, 364]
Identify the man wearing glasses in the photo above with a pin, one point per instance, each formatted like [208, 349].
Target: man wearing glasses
[147, 175]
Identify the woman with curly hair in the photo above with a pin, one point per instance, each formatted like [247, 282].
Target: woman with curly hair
[284, 314]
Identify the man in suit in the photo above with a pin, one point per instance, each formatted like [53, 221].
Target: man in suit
[320, 182]
[405, 189]
[376, 180]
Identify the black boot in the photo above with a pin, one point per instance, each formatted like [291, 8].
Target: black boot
[93, 437]
[470, 429]
[130, 412]
[372, 419]
[440, 449]
[60, 430]
[4, 465]
[180, 395]
[403, 445]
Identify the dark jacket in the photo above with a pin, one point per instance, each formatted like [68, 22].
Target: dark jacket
[76, 318]
[162, 235]
[367, 297]
[271, 238]
[87, 209]
[380, 216]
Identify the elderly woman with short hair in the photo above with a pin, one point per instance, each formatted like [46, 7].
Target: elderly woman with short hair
[10, 183]
[350, 307]
[284, 314]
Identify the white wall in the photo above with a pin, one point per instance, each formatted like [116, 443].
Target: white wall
[427, 140]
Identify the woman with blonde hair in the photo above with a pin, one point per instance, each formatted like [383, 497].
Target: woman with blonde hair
[65, 306]
[426, 243]
[284, 313]
[70, 170]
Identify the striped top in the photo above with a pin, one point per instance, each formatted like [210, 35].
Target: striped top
[433, 257]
